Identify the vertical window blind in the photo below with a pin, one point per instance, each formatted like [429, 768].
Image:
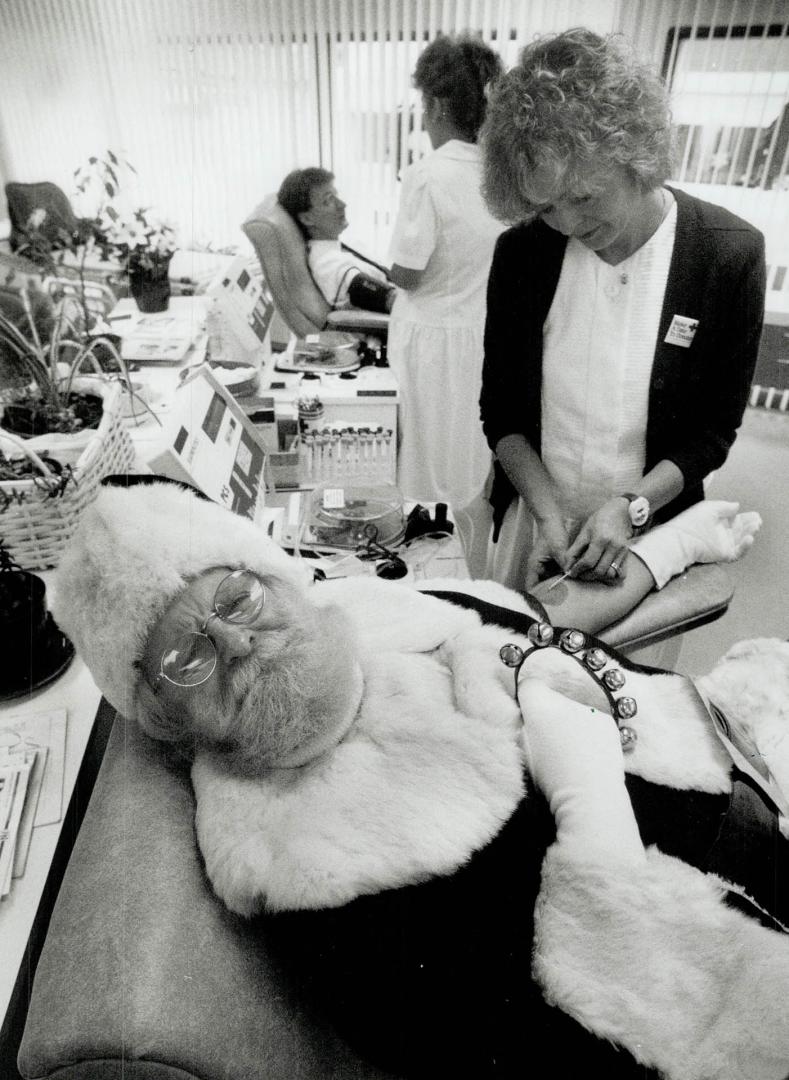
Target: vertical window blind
[211, 101]
[214, 101]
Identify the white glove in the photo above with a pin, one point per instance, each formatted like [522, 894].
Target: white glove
[574, 755]
[706, 532]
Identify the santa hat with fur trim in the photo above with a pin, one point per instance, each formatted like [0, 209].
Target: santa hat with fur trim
[134, 550]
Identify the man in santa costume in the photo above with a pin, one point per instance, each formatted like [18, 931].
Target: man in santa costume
[487, 845]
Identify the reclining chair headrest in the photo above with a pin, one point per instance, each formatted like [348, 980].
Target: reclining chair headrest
[23, 199]
[282, 251]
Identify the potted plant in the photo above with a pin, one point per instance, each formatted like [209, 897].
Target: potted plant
[58, 399]
[57, 355]
[35, 651]
[44, 469]
[21, 602]
[143, 243]
[146, 246]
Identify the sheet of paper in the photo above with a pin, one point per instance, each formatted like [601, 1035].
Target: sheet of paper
[37, 760]
[16, 777]
[45, 729]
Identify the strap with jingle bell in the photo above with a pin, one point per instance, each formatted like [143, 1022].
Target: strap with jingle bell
[592, 659]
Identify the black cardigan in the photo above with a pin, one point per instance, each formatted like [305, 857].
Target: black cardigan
[697, 395]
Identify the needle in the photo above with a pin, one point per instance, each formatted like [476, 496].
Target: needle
[559, 580]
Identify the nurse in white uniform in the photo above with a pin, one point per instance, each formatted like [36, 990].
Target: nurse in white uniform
[441, 253]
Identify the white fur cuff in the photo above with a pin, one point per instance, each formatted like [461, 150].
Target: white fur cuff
[656, 962]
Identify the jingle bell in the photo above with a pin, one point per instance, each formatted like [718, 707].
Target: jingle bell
[511, 655]
[540, 634]
[595, 659]
[626, 708]
[614, 679]
[627, 737]
[572, 640]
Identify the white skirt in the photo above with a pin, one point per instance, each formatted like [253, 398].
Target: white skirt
[442, 454]
[506, 559]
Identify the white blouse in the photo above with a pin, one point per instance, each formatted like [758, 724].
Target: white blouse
[598, 349]
[444, 228]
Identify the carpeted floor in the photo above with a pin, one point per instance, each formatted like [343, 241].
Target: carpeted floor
[757, 476]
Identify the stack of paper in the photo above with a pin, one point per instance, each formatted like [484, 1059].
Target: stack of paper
[32, 760]
[162, 338]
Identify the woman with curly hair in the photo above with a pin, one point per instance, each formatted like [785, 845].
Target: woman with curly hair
[623, 316]
[441, 250]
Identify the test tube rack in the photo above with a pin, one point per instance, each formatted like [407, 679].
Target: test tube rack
[339, 453]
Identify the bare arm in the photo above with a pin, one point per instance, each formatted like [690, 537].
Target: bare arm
[530, 479]
[591, 605]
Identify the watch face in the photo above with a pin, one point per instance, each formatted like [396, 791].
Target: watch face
[639, 511]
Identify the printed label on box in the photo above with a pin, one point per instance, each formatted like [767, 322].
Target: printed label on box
[213, 446]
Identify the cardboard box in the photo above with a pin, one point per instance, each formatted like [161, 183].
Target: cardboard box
[244, 306]
[212, 444]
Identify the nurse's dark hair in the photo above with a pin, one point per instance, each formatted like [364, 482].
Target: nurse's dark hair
[458, 70]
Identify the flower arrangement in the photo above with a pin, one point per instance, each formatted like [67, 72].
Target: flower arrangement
[134, 236]
[137, 239]
[50, 339]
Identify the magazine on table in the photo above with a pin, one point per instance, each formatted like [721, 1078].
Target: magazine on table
[32, 764]
[14, 776]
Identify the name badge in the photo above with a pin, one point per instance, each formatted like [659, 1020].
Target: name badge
[682, 331]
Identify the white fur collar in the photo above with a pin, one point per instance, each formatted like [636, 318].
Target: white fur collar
[410, 791]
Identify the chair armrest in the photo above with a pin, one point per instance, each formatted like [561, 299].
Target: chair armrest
[358, 320]
[700, 595]
[98, 295]
[143, 966]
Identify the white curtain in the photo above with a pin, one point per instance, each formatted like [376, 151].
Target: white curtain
[375, 121]
[213, 101]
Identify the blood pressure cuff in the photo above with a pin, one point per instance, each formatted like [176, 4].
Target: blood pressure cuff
[368, 293]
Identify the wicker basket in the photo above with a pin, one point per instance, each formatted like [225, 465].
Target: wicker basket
[38, 516]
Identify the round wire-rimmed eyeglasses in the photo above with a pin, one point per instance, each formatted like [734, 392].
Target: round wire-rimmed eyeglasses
[191, 660]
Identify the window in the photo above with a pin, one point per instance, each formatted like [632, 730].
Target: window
[730, 88]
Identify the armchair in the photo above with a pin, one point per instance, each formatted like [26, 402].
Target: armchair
[281, 250]
[60, 218]
[23, 199]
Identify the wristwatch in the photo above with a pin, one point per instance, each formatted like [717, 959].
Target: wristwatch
[638, 509]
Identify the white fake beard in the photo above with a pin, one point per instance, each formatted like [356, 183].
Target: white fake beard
[282, 702]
